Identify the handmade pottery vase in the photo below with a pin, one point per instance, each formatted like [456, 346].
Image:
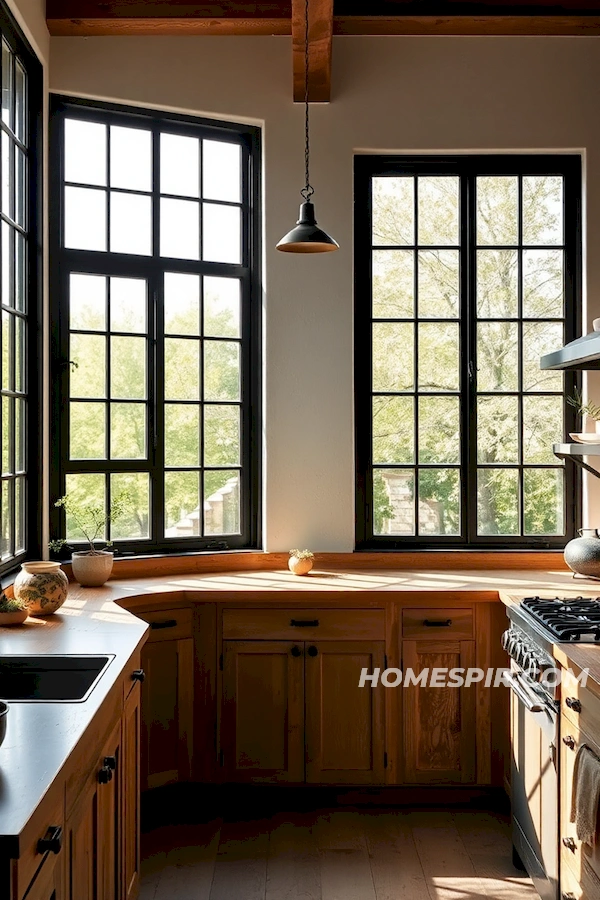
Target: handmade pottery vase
[42, 586]
[582, 554]
[92, 569]
[13, 618]
[300, 566]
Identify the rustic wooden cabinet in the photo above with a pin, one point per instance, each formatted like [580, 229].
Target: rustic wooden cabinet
[130, 791]
[48, 884]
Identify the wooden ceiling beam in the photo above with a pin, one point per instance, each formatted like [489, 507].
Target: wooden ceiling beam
[320, 32]
[468, 25]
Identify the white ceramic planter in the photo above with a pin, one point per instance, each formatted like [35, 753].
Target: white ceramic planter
[300, 566]
[92, 569]
[42, 586]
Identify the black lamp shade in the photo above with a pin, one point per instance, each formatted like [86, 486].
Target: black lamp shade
[307, 237]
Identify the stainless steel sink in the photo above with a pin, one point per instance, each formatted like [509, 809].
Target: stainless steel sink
[47, 679]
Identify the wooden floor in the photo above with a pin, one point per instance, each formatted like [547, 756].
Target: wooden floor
[336, 855]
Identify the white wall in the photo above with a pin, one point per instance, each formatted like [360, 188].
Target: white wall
[389, 94]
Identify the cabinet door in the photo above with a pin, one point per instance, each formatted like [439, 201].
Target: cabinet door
[344, 722]
[262, 729]
[47, 884]
[81, 843]
[130, 785]
[167, 712]
[109, 819]
[439, 722]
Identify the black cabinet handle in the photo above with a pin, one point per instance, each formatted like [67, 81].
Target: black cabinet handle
[296, 651]
[569, 740]
[437, 623]
[573, 704]
[105, 775]
[570, 844]
[312, 651]
[52, 840]
[568, 895]
[168, 623]
[110, 762]
[304, 623]
[138, 675]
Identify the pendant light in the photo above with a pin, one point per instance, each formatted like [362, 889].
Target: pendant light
[307, 237]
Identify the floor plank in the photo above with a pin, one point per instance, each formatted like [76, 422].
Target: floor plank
[345, 866]
[395, 865]
[293, 865]
[449, 871]
[241, 865]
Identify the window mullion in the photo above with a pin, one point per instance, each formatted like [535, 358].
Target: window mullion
[469, 386]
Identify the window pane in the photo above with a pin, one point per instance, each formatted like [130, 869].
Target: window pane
[182, 369]
[7, 85]
[438, 284]
[130, 224]
[540, 338]
[7, 352]
[182, 504]
[222, 436]
[7, 264]
[221, 233]
[221, 502]
[20, 497]
[20, 272]
[19, 354]
[221, 370]
[20, 182]
[87, 307]
[127, 431]
[393, 356]
[543, 496]
[130, 158]
[182, 303]
[134, 523]
[88, 365]
[179, 229]
[438, 210]
[542, 209]
[8, 194]
[497, 284]
[222, 307]
[182, 434]
[221, 171]
[85, 219]
[497, 209]
[87, 427]
[394, 501]
[543, 284]
[87, 491]
[19, 435]
[498, 501]
[179, 165]
[497, 356]
[128, 304]
[439, 501]
[393, 211]
[542, 427]
[128, 368]
[6, 518]
[439, 430]
[393, 430]
[498, 429]
[438, 357]
[85, 152]
[20, 101]
[393, 284]
[7, 419]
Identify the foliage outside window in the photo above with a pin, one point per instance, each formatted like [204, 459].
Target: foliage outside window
[156, 324]
[467, 273]
[21, 76]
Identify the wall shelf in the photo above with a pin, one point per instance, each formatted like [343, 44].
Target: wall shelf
[576, 452]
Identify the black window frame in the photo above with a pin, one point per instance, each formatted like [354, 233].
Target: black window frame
[64, 261]
[32, 435]
[467, 167]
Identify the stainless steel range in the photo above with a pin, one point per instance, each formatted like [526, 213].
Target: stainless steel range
[534, 626]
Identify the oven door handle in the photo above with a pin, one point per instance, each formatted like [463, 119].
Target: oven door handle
[531, 702]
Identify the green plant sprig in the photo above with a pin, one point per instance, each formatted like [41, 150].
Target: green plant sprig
[592, 410]
[302, 554]
[90, 520]
[9, 605]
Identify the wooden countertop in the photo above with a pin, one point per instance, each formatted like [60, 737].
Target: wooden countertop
[41, 736]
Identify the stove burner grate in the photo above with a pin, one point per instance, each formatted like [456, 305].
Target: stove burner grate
[569, 619]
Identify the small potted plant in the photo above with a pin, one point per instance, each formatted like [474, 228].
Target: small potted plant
[91, 567]
[301, 561]
[13, 611]
[591, 411]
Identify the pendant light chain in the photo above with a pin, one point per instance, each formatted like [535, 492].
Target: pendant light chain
[307, 190]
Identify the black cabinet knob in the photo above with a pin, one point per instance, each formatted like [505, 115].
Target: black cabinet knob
[296, 651]
[569, 895]
[105, 775]
[110, 762]
[52, 840]
[569, 740]
[138, 675]
[570, 844]
[312, 651]
[573, 704]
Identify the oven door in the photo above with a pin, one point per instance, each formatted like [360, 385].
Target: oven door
[534, 736]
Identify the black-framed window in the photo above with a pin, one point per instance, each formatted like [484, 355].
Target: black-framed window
[20, 291]
[156, 318]
[467, 272]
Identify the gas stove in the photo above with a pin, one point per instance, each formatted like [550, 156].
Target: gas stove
[569, 619]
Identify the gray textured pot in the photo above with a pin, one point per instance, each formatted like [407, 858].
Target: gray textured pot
[582, 554]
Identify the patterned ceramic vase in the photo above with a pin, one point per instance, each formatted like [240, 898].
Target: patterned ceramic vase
[582, 554]
[42, 586]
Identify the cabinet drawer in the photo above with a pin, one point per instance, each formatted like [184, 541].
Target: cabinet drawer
[168, 624]
[437, 623]
[573, 852]
[304, 624]
[50, 814]
[580, 706]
